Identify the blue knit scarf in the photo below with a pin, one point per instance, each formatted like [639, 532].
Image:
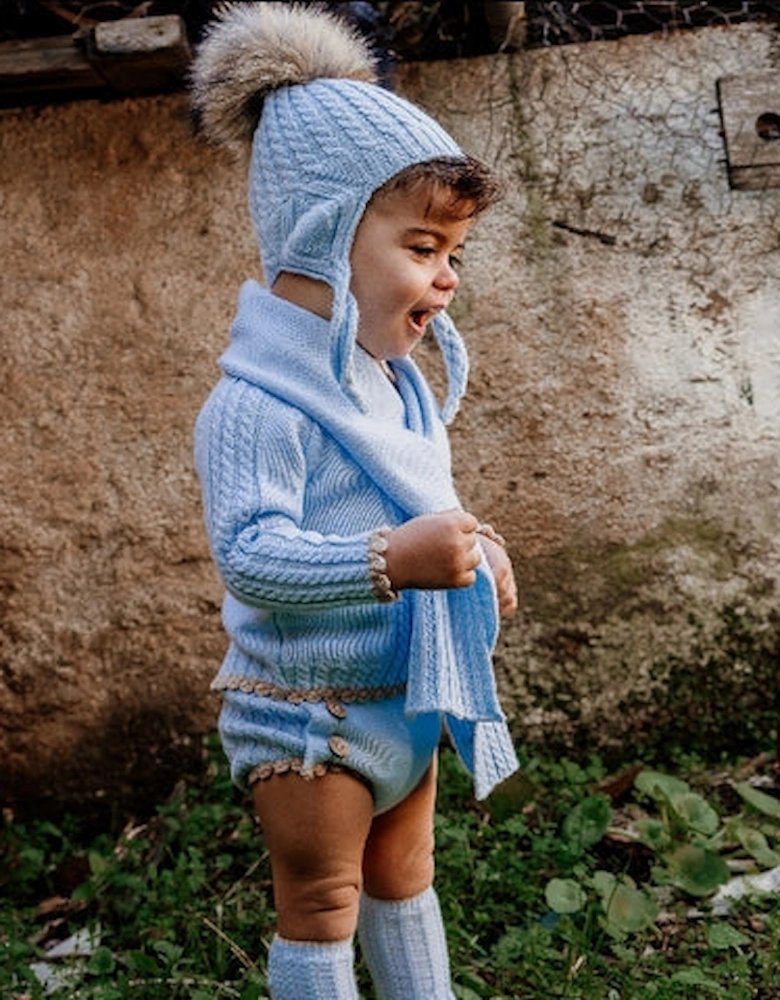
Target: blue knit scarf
[286, 351]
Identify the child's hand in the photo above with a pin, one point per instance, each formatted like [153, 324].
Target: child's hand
[501, 567]
[434, 552]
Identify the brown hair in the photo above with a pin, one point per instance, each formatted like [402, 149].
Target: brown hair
[463, 186]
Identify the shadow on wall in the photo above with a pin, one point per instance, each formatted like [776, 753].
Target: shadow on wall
[140, 751]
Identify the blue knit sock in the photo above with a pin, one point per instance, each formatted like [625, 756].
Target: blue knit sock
[405, 948]
[311, 970]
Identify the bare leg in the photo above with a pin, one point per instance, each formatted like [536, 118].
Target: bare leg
[315, 832]
[398, 858]
[400, 925]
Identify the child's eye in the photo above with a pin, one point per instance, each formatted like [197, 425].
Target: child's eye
[423, 251]
[455, 262]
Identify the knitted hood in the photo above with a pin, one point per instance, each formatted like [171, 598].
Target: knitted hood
[299, 85]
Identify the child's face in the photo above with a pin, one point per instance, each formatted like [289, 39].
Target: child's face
[403, 269]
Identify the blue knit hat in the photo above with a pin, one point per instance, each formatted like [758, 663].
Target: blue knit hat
[299, 83]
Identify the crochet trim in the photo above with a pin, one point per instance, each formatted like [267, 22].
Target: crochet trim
[297, 696]
[295, 764]
[377, 566]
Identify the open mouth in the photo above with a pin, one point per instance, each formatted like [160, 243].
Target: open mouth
[421, 318]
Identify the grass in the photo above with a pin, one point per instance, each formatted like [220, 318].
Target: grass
[179, 905]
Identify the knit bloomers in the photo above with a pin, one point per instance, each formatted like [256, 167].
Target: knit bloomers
[266, 734]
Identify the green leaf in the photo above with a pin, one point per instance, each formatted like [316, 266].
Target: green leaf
[695, 977]
[564, 895]
[757, 846]
[661, 787]
[511, 947]
[628, 911]
[724, 936]
[696, 870]
[604, 883]
[515, 826]
[697, 814]
[140, 963]
[464, 993]
[653, 833]
[472, 986]
[98, 863]
[252, 990]
[766, 804]
[168, 951]
[101, 962]
[587, 822]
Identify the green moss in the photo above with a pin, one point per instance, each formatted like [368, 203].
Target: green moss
[690, 696]
[596, 580]
[524, 158]
[721, 697]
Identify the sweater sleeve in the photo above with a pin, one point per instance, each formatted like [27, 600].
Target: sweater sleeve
[251, 457]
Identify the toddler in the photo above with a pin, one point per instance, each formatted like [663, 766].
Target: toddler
[362, 600]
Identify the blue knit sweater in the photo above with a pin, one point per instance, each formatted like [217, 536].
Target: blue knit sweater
[297, 471]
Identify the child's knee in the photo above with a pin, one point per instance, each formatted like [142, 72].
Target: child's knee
[319, 909]
[396, 870]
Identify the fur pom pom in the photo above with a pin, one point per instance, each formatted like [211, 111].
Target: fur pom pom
[253, 49]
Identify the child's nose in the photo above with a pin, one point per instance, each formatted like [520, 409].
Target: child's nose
[447, 276]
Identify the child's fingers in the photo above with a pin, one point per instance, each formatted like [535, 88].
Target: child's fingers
[503, 574]
[507, 597]
[466, 522]
[434, 551]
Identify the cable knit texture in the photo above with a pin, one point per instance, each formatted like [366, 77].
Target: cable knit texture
[297, 465]
[319, 154]
[309, 970]
[293, 553]
[405, 947]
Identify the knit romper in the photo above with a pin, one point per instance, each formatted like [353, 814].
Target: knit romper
[308, 709]
[298, 472]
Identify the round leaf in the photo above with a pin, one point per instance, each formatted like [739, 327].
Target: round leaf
[587, 822]
[697, 814]
[564, 895]
[724, 936]
[697, 871]
[757, 846]
[604, 883]
[629, 911]
[661, 787]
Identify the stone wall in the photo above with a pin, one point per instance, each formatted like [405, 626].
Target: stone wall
[621, 307]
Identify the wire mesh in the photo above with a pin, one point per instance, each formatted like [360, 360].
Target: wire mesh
[409, 30]
[557, 22]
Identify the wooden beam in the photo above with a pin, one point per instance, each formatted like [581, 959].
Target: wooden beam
[38, 66]
[131, 56]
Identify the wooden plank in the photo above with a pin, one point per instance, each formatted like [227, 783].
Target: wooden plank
[45, 64]
[132, 56]
[750, 112]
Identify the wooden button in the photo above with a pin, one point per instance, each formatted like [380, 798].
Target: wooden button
[336, 709]
[338, 746]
